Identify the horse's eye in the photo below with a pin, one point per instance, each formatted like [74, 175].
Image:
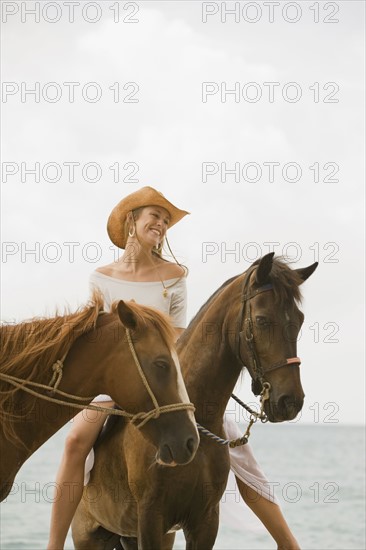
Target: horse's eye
[162, 365]
[262, 321]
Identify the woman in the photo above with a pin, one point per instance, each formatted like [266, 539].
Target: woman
[138, 224]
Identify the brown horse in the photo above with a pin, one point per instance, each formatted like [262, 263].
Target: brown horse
[251, 320]
[127, 354]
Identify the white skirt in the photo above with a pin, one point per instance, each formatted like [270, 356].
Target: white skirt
[89, 462]
[244, 465]
[102, 398]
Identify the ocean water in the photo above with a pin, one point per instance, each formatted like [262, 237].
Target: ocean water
[317, 471]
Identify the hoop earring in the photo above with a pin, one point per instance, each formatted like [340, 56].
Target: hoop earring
[159, 248]
[133, 233]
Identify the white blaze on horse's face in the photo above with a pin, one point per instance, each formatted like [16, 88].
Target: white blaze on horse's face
[182, 392]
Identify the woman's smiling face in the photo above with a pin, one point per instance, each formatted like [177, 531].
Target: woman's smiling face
[152, 224]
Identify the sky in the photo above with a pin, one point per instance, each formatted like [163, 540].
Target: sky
[252, 120]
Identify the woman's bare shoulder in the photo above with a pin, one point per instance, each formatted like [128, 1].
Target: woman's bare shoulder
[107, 269]
[170, 270]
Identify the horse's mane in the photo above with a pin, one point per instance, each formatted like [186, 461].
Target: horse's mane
[211, 299]
[32, 346]
[285, 283]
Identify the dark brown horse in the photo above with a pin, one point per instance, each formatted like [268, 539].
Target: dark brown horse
[99, 359]
[252, 320]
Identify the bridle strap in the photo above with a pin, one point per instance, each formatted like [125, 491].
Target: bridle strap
[284, 363]
[254, 293]
[245, 323]
[245, 319]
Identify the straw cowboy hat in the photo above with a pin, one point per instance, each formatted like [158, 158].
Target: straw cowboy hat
[146, 196]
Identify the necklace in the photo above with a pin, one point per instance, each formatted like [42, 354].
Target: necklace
[166, 287]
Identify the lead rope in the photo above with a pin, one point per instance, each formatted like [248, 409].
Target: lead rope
[263, 417]
[254, 416]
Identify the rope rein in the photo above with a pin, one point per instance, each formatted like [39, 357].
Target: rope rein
[254, 416]
[138, 419]
[57, 373]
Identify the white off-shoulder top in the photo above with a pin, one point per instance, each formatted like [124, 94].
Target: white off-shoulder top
[150, 294]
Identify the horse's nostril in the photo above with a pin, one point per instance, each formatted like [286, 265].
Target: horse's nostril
[286, 402]
[191, 446]
[288, 406]
[168, 455]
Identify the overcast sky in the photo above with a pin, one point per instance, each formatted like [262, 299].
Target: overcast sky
[252, 121]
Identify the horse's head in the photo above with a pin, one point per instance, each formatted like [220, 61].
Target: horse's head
[270, 322]
[155, 382]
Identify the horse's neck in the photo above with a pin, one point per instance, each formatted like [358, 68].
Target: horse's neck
[210, 367]
[44, 420]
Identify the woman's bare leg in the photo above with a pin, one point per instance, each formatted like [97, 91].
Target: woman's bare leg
[70, 477]
[270, 515]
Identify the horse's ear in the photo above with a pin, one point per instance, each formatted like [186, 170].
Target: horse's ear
[305, 272]
[126, 315]
[264, 269]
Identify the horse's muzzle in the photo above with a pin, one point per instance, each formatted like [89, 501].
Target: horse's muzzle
[286, 408]
[174, 454]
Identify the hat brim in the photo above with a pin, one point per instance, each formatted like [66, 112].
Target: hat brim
[146, 196]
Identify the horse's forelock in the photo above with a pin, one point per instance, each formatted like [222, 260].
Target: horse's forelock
[286, 282]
